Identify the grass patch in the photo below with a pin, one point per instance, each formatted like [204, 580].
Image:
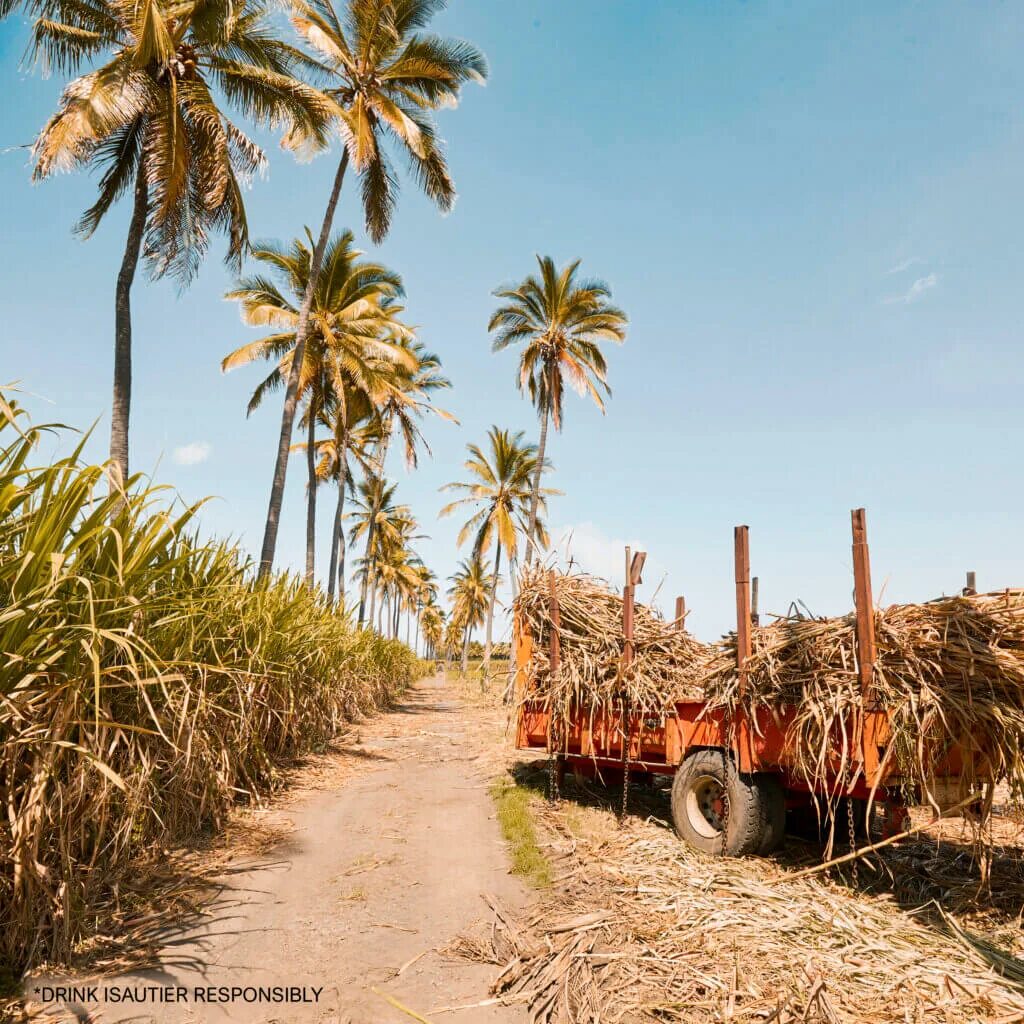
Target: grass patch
[514, 805]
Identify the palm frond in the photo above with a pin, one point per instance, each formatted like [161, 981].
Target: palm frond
[91, 108]
[118, 155]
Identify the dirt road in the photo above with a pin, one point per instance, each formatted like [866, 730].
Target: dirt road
[382, 865]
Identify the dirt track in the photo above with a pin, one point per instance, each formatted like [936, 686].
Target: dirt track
[389, 851]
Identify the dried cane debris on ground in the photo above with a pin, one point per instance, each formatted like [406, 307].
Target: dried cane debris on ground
[642, 929]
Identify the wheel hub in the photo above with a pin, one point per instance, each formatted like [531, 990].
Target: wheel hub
[706, 806]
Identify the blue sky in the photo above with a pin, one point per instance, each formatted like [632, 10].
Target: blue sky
[811, 211]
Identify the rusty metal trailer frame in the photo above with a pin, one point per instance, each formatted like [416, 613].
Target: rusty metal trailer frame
[615, 737]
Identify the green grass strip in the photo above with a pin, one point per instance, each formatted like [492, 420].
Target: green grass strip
[514, 805]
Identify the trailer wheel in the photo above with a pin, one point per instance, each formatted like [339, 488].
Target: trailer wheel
[708, 789]
[773, 800]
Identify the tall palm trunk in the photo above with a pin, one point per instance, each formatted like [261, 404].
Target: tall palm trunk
[371, 570]
[332, 572]
[490, 612]
[311, 495]
[465, 650]
[336, 583]
[535, 493]
[366, 575]
[341, 560]
[337, 530]
[371, 560]
[398, 616]
[121, 406]
[291, 394]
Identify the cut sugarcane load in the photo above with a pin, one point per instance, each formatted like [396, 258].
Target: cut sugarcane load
[872, 712]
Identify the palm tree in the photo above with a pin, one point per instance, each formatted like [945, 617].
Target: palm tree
[385, 79]
[470, 593]
[560, 321]
[500, 494]
[396, 566]
[452, 641]
[353, 431]
[387, 528]
[426, 595]
[433, 629]
[149, 119]
[353, 307]
[406, 399]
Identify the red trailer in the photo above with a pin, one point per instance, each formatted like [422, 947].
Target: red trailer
[733, 780]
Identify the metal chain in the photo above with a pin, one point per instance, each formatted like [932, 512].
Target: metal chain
[725, 801]
[625, 774]
[853, 839]
[553, 789]
[728, 724]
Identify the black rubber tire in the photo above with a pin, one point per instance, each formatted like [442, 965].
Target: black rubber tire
[746, 816]
[773, 803]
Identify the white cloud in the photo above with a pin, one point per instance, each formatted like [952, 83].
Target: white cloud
[192, 454]
[593, 551]
[916, 290]
[906, 264]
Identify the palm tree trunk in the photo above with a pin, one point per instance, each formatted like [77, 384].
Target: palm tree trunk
[535, 495]
[465, 650]
[372, 561]
[332, 572]
[341, 555]
[337, 530]
[337, 574]
[419, 613]
[398, 615]
[490, 612]
[311, 495]
[366, 576]
[121, 406]
[371, 570]
[291, 395]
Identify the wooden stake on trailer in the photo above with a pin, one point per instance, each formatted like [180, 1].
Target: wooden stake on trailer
[755, 618]
[972, 584]
[744, 746]
[627, 616]
[556, 622]
[742, 555]
[634, 568]
[680, 619]
[864, 607]
[866, 650]
[554, 653]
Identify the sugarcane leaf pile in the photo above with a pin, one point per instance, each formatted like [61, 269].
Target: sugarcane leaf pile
[948, 673]
[666, 664]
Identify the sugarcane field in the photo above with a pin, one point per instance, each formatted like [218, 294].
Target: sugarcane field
[509, 513]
